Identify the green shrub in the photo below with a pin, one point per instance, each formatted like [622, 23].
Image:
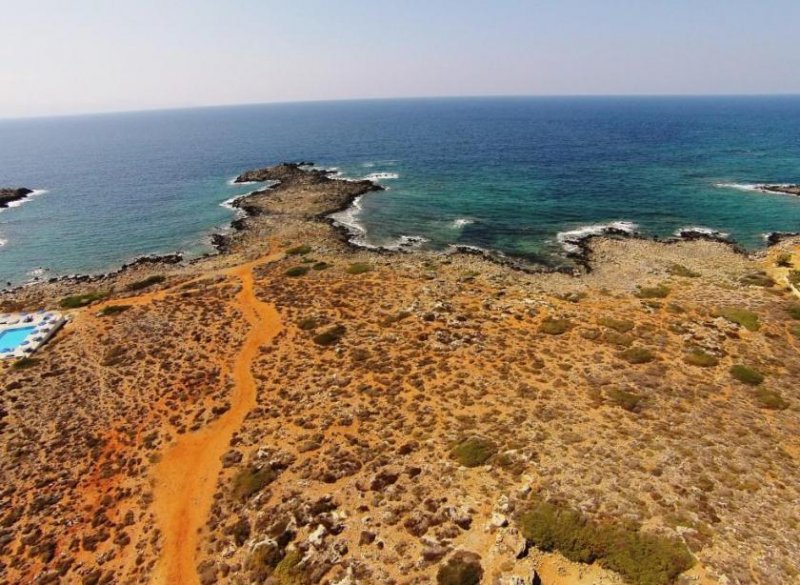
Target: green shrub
[308, 324]
[637, 355]
[321, 266]
[758, 279]
[25, 363]
[771, 399]
[701, 359]
[794, 311]
[796, 331]
[784, 260]
[619, 325]
[462, 568]
[653, 292]
[78, 301]
[359, 268]
[742, 317]
[641, 559]
[625, 400]
[113, 310]
[552, 326]
[288, 571]
[794, 277]
[299, 250]
[747, 375]
[680, 270]
[296, 271]
[331, 336]
[474, 451]
[147, 282]
[621, 339]
[252, 480]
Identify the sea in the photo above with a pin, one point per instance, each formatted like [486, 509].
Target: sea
[523, 176]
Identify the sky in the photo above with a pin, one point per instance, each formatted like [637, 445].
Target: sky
[80, 56]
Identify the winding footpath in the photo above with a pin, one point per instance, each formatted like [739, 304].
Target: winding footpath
[186, 477]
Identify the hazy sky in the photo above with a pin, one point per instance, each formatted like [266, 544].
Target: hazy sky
[69, 56]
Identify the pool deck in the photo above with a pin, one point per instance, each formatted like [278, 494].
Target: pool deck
[44, 324]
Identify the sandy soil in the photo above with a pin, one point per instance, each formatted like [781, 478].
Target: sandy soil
[288, 412]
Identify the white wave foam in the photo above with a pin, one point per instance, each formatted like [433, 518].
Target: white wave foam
[229, 203]
[232, 182]
[758, 187]
[24, 200]
[381, 177]
[698, 229]
[348, 219]
[461, 222]
[571, 239]
[3, 242]
[405, 243]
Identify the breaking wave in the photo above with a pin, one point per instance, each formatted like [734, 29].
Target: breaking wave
[570, 240]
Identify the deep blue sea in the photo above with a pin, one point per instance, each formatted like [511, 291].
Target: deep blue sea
[501, 173]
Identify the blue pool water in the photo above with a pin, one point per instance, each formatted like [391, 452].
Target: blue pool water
[10, 339]
[501, 173]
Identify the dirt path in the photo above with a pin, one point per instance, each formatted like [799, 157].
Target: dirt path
[186, 476]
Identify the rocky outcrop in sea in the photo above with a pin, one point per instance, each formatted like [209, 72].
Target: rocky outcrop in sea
[11, 194]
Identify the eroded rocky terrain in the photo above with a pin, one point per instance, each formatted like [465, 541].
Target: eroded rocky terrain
[357, 417]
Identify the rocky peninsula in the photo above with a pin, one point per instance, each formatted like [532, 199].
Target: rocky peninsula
[10, 194]
[298, 410]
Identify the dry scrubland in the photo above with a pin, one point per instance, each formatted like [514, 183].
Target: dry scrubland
[418, 417]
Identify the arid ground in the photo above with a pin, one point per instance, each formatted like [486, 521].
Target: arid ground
[296, 411]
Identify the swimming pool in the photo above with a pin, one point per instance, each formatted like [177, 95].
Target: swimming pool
[10, 339]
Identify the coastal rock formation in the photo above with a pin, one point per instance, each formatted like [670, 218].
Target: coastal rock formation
[784, 189]
[359, 417]
[9, 195]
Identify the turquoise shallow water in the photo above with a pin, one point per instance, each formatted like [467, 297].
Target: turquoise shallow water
[504, 173]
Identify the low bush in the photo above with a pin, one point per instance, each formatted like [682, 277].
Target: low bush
[299, 250]
[771, 399]
[463, 568]
[784, 260]
[359, 268]
[552, 326]
[637, 355]
[641, 559]
[252, 480]
[111, 310]
[761, 279]
[619, 325]
[794, 277]
[796, 331]
[288, 571]
[308, 324]
[742, 317]
[682, 271]
[330, 337]
[653, 292]
[25, 363]
[474, 451]
[747, 375]
[321, 266]
[147, 282]
[794, 311]
[84, 300]
[296, 271]
[625, 400]
[700, 359]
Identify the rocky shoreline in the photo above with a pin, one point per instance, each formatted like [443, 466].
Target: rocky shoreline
[12, 194]
[781, 189]
[311, 197]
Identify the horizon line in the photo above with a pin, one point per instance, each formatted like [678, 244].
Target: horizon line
[157, 109]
